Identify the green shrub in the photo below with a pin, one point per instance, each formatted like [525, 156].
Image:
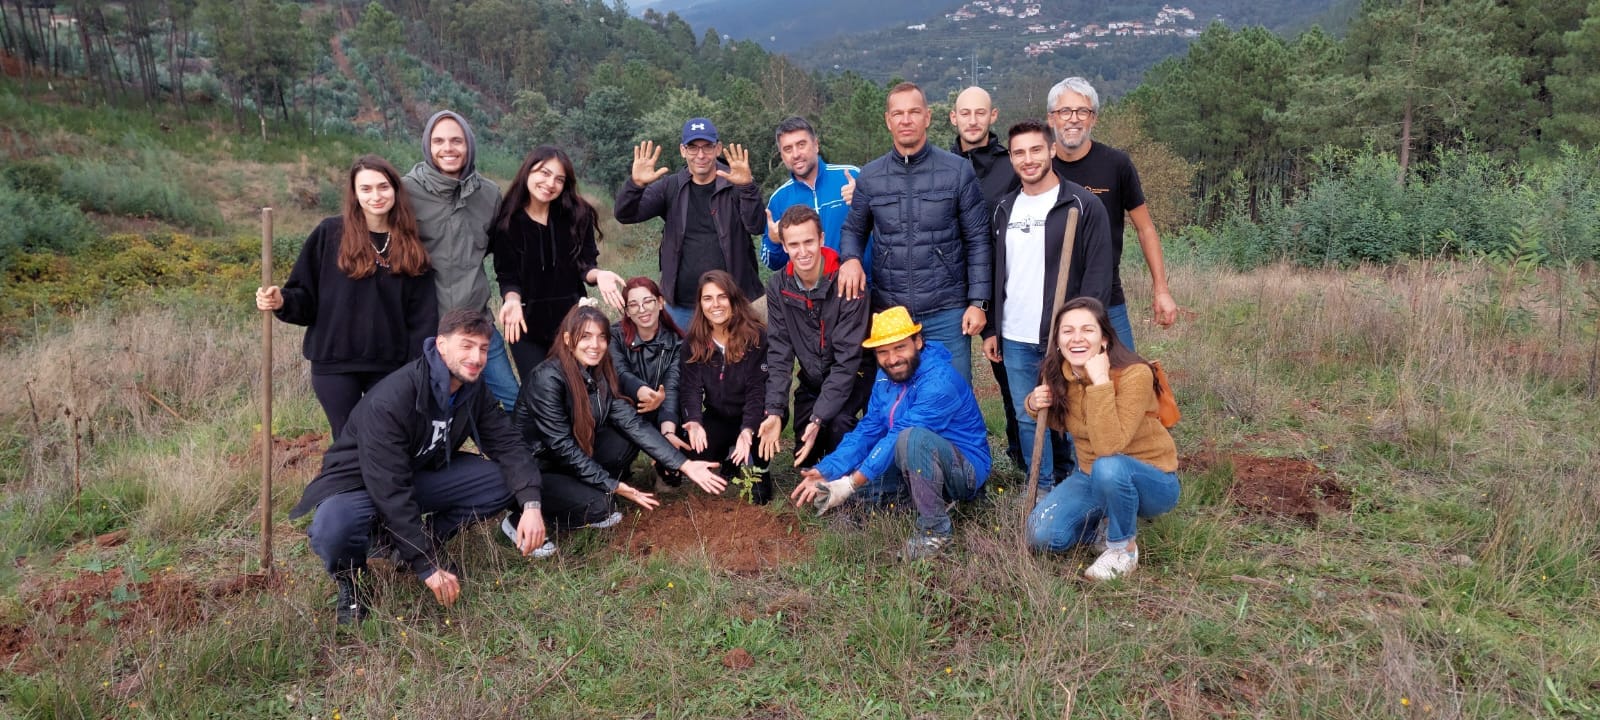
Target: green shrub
[33, 176]
[34, 223]
[137, 190]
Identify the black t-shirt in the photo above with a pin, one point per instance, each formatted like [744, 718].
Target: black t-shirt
[1109, 174]
[702, 251]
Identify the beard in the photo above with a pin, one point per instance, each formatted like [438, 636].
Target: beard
[908, 372]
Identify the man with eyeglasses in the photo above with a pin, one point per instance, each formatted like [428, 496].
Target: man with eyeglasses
[711, 211]
[1107, 172]
[924, 209]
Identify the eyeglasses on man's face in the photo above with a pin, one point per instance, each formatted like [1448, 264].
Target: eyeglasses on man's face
[1072, 113]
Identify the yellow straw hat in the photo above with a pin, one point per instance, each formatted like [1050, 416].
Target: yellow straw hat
[891, 326]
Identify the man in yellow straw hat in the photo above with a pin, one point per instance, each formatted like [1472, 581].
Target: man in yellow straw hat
[923, 436]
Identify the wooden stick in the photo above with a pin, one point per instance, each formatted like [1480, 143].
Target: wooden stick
[266, 396]
[1042, 426]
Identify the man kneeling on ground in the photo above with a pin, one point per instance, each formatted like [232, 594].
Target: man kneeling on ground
[397, 460]
[923, 436]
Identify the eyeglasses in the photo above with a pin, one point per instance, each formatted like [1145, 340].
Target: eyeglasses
[700, 149]
[1072, 113]
[635, 308]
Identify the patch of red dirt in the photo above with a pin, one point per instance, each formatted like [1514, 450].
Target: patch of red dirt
[288, 453]
[14, 640]
[738, 659]
[166, 600]
[734, 535]
[1285, 487]
[12, 65]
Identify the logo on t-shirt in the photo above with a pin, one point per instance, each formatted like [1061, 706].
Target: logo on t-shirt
[1025, 225]
[1097, 190]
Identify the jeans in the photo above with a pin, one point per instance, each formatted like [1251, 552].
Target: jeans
[1119, 488]
[681, 316]
[1022, 376]
[944, 327]
[497, 373]
[470, 488]
[1118, 314]
[929, 469]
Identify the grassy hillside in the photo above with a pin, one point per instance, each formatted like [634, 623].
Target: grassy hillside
[1390, 509]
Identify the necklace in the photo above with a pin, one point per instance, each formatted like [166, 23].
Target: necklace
[381, 250]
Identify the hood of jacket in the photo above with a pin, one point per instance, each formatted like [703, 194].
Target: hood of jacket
[469, 169]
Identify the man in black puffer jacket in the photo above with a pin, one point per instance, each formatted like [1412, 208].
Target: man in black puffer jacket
[396, 460]
[932, 252]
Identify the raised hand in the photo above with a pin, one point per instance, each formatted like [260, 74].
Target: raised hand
[610, 286]
[738, 171]
[848, 192]
[645, 157]
[772, 228]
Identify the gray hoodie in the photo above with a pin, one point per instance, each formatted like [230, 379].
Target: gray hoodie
[453, 215]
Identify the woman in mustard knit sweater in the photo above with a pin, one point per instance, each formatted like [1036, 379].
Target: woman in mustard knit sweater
[1105, 395]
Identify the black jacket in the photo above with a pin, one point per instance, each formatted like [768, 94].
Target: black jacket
[652, 363]
[729, 389]
[544, 414]
[738, 210]
[931, 250]
[374, 324]
[992, 163]
[820, 329]
[391, 435]
[1094, 257]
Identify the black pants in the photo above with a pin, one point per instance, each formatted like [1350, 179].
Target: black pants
[722, 433]
[569, 502]
[1013, 439]
[835, 428]
[339, 392]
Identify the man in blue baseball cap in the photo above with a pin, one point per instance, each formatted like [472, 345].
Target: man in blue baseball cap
[711, 211]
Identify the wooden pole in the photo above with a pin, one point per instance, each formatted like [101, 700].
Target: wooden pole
[266, 396]
[1041, 429]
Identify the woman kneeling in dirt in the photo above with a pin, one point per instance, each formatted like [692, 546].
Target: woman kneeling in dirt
[722, 397]
[583, 435]
[1105, 395]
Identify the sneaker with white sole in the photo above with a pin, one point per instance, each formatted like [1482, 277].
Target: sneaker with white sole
[1113, 563]
[922, 547]
[609, 521]
[543, 551]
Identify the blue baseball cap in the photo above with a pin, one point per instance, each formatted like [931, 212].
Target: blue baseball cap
[699, 129]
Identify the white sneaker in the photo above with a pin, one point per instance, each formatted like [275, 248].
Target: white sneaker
[610, 520]
[543, 551]
[1113, 563]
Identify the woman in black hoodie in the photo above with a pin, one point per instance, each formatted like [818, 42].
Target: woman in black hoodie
[723, 382]
[545, 241]
[363, 289]
[583, 434]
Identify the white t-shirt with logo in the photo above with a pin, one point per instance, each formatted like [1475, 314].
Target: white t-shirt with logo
[1024, 238]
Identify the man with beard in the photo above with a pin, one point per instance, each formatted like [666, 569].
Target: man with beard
[1073, 106]
[710, 210]
[1029, 229]
[923, 439]
[930, 246]
[455, 206]
[398, 459]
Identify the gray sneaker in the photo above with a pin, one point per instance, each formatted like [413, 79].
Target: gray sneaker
[610, 521]
[922, 547]
[543, 551]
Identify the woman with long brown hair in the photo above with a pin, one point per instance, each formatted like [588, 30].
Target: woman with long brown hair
[363, 289]
[545, 241]
[1103, 393]
[584, 435]
[723, 381]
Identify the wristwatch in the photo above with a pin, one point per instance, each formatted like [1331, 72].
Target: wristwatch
[979, 304]
[531, 505]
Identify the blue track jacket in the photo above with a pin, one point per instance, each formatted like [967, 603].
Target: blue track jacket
[825, 199]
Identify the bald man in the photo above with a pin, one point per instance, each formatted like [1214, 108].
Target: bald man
[973, 114]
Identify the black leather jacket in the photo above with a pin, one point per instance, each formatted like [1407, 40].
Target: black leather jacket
[544, 415]
[648, 363]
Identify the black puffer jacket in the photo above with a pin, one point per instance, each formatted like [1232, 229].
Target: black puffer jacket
[992, 163]
[394, 432]
[649, 363]
[932, 248]
[544, 414]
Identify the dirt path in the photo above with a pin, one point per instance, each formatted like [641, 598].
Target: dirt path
[369, 110]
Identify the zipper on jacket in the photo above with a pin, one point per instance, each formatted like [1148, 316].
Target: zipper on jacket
[896, 405]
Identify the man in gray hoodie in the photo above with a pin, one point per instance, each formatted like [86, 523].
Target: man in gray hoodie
[455, 206]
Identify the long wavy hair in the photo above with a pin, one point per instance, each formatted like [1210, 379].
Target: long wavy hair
[744, 328]
[663, 318]
[1053, 371]
[569, 208]
[564, 352]
[357, 257]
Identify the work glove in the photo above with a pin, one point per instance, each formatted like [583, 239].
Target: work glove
[834, 494]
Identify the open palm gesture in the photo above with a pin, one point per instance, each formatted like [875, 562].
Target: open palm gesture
[738, 171]
[645, 157]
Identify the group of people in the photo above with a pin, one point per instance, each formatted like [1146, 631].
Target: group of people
[882, 277]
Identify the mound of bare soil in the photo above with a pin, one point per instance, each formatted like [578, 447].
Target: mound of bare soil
[1286, 487]
[730, 534]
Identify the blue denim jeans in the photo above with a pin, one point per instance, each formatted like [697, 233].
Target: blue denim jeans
[929, 469]
[681, 316]
[1120, 489]
[1022, 376]
[1118, 314]
[944, 327]
[497, 374]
